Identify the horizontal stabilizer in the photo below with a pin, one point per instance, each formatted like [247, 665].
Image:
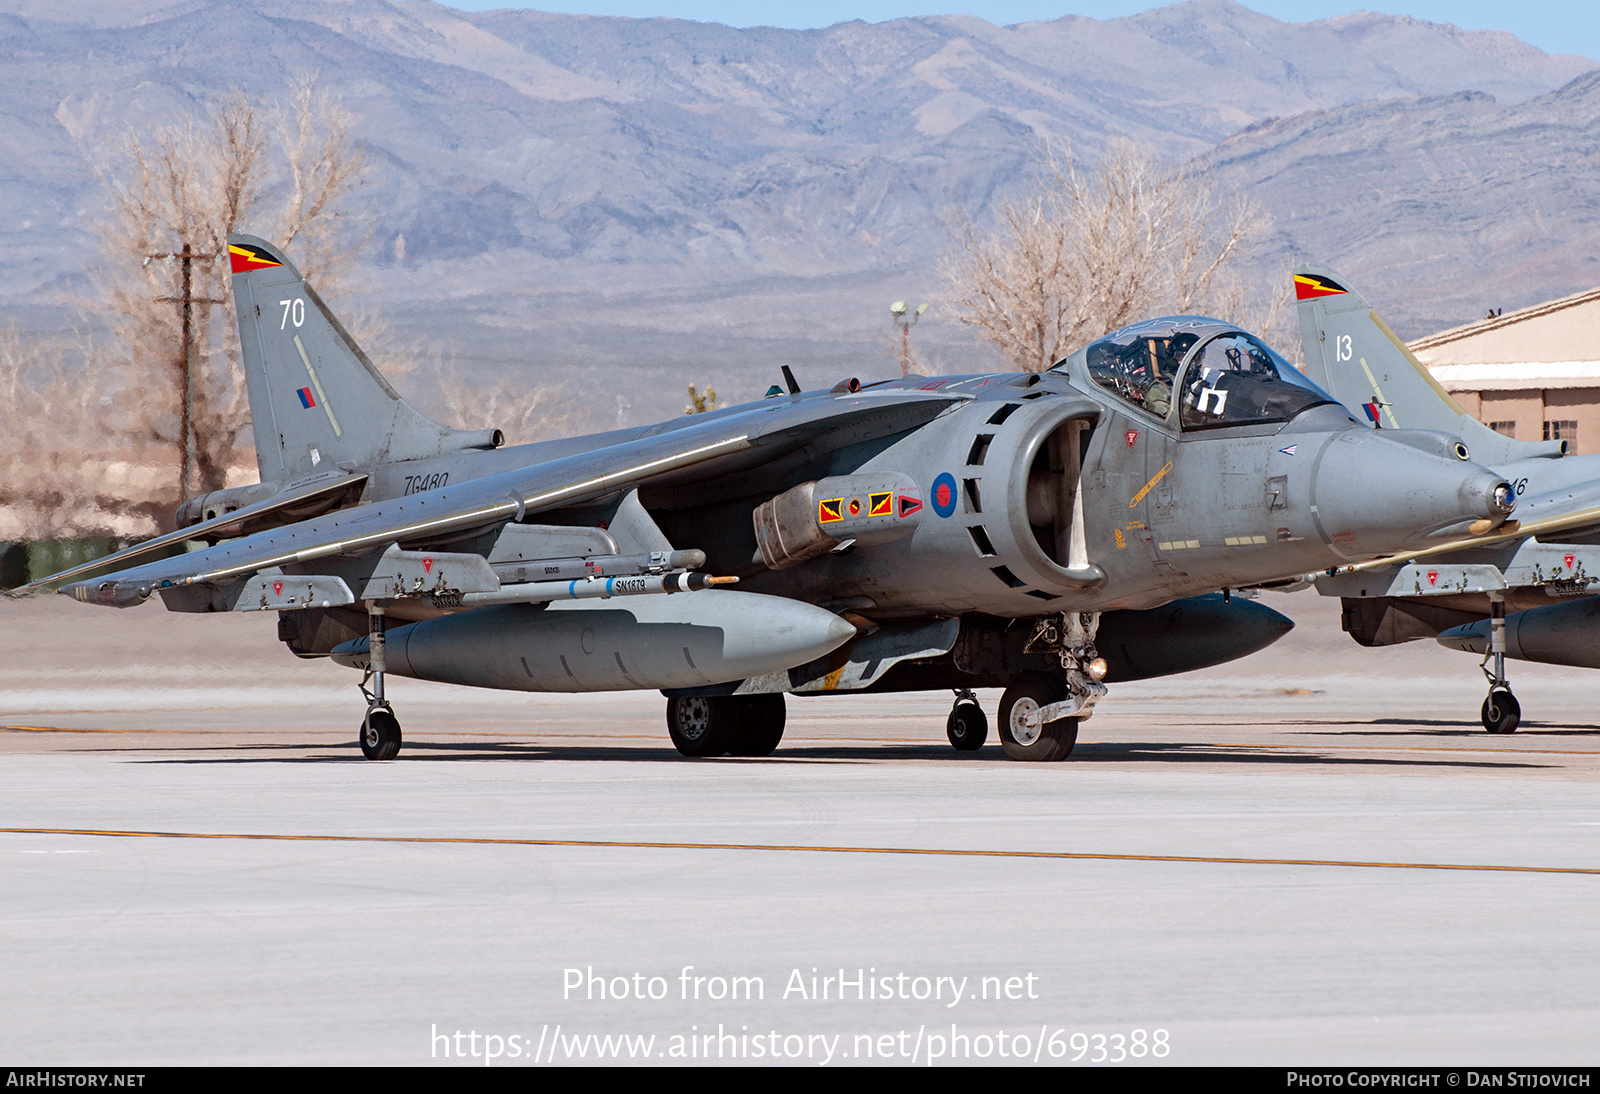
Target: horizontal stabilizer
[216, 528]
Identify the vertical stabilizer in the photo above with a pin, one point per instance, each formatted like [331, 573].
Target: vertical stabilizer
[1352, 353]
[316, 401]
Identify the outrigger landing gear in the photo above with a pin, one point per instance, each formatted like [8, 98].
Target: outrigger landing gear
[380, 729]
[966, 727]
[1501, 711]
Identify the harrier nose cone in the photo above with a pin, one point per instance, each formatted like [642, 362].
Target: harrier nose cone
[1375, 495]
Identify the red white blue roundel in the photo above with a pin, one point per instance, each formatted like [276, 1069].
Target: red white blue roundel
[944, 494]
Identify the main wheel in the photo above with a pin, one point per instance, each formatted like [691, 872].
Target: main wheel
[703, 725]
[1501, 711]
[380, 735]
[759, 726]
[1051, 741]
[966, 727]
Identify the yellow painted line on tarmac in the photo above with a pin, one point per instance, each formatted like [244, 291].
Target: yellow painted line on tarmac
[1393, 748]
[75, 729]
[800, 847]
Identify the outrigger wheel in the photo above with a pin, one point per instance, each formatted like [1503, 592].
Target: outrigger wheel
[966, 727]
[1501, 711]
[380, 734]
[380, 729]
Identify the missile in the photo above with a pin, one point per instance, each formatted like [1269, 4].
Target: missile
[690, 640]
[1557, 634]
[592, 587]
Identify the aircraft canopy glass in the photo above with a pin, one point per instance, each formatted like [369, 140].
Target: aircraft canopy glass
[1139, 364]
[1235, 379]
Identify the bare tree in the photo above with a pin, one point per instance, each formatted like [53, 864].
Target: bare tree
[176, 193]
[522, 413]
[1089, 250]
[61, 475]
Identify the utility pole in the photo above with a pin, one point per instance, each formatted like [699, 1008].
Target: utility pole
[186, 301]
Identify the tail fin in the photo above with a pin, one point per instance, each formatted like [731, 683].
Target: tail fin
[316, 401]
[1353, 354]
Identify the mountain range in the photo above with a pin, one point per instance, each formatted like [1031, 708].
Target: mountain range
[620, 205]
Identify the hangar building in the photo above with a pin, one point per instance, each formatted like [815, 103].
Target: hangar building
[1533, 374]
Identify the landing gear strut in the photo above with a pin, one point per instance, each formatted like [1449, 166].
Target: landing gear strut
[1501, 711]
[966, 727]
[1040, 712]
[380, 729]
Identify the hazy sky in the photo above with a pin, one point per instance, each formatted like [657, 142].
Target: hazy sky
[1551, 25]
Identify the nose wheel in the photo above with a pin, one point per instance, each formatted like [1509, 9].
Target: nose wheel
[966, 727]
[1501, 711]
[1032, 739]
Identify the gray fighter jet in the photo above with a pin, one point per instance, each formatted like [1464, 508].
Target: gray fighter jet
[1038, 532]
[1460, 593]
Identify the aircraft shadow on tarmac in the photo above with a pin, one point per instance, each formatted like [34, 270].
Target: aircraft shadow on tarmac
[1443, 727]
[1112, 752]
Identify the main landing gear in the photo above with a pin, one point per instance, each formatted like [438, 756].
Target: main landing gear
[380, 729]
[1501, 711]
[733, 725]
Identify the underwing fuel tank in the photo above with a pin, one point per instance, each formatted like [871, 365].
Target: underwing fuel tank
[682, 641]
[1560, 634]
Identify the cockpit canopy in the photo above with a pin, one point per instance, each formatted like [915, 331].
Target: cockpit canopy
[1222, 376]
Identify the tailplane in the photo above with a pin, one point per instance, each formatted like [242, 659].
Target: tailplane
[1352, 353]
[316, 401]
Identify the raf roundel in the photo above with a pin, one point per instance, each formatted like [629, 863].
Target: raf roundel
[944, 494]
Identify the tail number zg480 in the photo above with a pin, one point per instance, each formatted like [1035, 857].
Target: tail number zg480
[416, 484]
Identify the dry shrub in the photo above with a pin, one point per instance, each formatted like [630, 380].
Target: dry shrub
[63, 472]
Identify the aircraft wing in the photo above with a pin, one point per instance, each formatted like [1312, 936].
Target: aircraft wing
[1585, 519]
[722, 443]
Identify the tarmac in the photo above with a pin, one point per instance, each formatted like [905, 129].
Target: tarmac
[1311, 857]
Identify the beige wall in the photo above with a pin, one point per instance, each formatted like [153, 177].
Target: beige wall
[1531, 409]
[1564, 335]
